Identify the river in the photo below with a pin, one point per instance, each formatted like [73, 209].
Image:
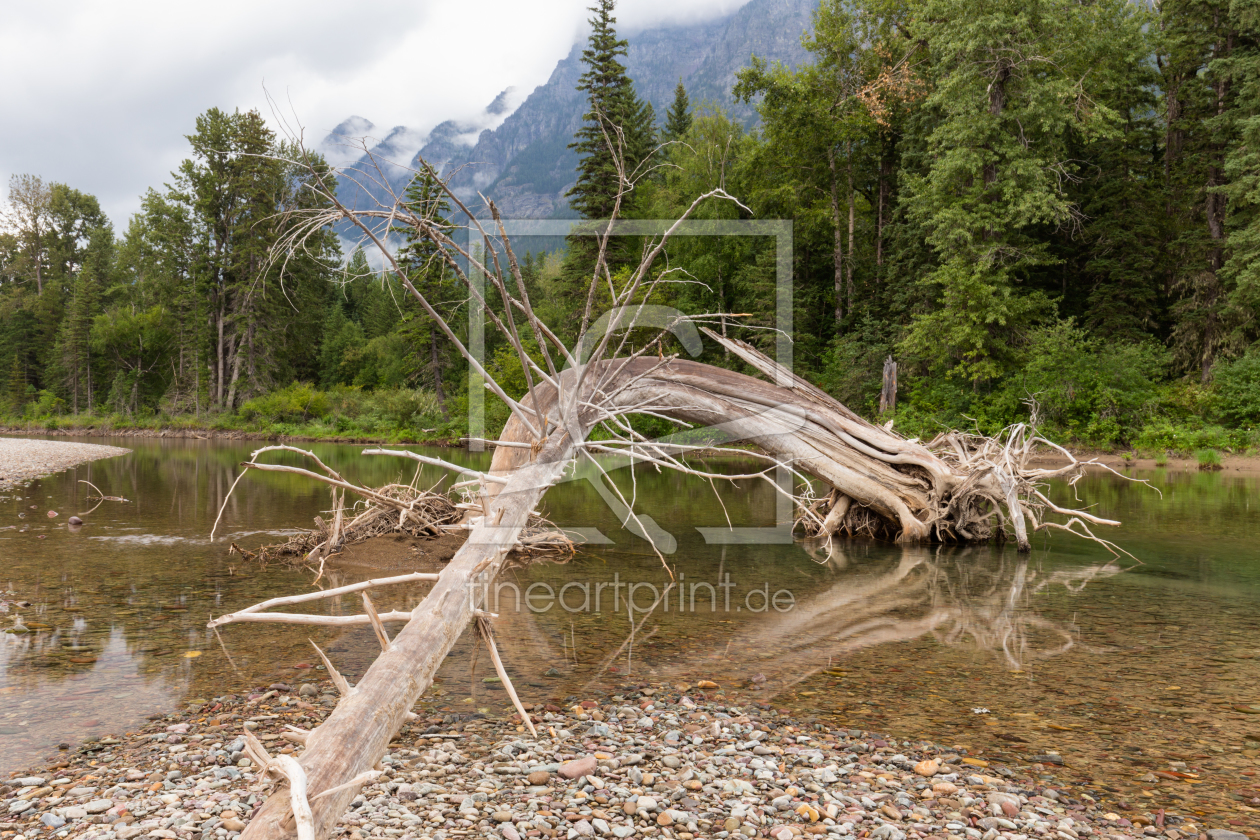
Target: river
[1109, 671]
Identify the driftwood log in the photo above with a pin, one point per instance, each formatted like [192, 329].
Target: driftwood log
[914, 495]
[853, 476]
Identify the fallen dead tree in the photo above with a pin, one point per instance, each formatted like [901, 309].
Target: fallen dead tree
[959, 488]
[395, 509]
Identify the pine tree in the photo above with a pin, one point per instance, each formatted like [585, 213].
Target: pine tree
[617, 124]
[616, 137]
[431, 278]
[678, 117]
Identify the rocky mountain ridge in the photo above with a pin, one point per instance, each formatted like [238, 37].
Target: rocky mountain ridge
[520, 155]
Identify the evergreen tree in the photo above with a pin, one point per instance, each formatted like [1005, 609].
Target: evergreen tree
[426, 345]
[1238, 73]
[678, 117]
[617, 135]
[1011, 80]
[617, 127]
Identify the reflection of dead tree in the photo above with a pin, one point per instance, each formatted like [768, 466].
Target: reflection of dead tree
[961, 596]
[910, 493]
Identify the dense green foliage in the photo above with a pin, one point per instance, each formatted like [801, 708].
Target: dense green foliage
[1032, 205]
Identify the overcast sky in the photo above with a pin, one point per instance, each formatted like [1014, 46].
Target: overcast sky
[100, 95]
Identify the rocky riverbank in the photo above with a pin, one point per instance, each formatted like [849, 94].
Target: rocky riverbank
[651, 762]
[22, 460]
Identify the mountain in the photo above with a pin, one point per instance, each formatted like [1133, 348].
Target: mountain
[520, 157]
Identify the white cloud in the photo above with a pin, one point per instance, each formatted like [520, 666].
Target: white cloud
[100, 95]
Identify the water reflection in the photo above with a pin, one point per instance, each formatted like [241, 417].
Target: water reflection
[119, 608]
[981, 598]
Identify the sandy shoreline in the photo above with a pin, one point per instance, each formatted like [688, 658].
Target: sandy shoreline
[22, 460]
[667, 761]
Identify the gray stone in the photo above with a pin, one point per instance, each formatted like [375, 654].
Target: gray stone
[73, 813]
[623, 830]
[672, 761]
[20, 806]
[52, 821]
[308, 690]
[127, 832]
[1225, 834]
[600, 825]
[28, 781]
[98, 806]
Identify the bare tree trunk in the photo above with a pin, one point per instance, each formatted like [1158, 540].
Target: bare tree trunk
[961, 488]
[355, 736]
[220, 358]
[852, 214]
[1215, 211]
[866, 466]
[837, 256]
[436, 362]
[888, 393]
[885, 175]
[230, 404]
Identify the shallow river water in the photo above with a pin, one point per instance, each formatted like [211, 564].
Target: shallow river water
[1138, 680]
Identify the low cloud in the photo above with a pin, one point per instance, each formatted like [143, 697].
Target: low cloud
[100, 95]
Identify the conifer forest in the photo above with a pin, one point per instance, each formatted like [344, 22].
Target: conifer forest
[1044, 206]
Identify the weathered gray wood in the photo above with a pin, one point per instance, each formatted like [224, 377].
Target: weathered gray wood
[862, 463]
[355, 736]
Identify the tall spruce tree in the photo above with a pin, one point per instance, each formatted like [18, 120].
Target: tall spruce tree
[678, 117]
[432, 279]
[1013, 82]
[618, 126]
[616, 137]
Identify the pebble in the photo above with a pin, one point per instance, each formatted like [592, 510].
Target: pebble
[578, 768]
[734, 772]
[27, 459]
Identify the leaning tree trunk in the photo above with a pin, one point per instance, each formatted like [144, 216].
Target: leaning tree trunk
[916, 494]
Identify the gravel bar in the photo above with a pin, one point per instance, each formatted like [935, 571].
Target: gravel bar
[648, 763]
[22, 460]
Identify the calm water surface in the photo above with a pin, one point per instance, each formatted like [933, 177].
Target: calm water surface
[1118, 669]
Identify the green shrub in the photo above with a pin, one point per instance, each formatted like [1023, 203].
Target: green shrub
[298, 402]
[1238, 390]
[1209, 459]
[1094, 391]
[46, 404]
[1188, 436]
[404, 408]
